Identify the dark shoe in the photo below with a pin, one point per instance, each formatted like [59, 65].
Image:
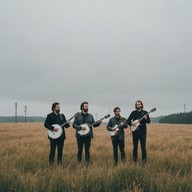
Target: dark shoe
[59, 163]
[115, 163]
[123, 160]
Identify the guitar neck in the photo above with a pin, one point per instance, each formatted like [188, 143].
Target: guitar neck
[144, 115]
[152, 110]
[67, 121]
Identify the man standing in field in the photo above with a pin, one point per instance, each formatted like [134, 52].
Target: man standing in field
[56, 118]
[84, 140]
[116, 125]
[141, 132]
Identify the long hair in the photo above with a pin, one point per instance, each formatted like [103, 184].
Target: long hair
[142, 106]
[54, 105]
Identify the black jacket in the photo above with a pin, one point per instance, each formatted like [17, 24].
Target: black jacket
[59, 119]
[137, 115]
[116, 121]
[82, 118]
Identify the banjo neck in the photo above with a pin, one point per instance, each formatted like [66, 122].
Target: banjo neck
[67, 121]
[96, 122]
[105, 117]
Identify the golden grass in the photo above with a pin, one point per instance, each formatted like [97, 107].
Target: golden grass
[24, 161]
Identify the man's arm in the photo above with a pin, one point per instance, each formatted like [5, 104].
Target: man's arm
[124, 124]
[76, 124]
[148, 120]
[97, 124]
[129, 119]
[48, 123]
[67, 125]
[110, 126]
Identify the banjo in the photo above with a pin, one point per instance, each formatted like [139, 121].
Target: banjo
[87, 127]
[114, 133]
[56, 134]
[136, 122]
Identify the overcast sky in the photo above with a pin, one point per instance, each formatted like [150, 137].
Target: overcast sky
[108, 52]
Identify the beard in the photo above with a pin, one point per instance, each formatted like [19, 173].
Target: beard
[138, 108]
[85, 110]
[57, 111]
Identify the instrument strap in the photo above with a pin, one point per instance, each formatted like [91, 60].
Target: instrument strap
[61, 117]
[121, 119]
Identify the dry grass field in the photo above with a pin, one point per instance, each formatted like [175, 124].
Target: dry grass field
[24, 161]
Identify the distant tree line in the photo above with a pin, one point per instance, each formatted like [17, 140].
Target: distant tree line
[179, 118]
[156, 119]
[22, 119]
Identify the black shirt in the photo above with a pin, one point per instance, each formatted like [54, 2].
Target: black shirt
[137, 115]
[53, 118]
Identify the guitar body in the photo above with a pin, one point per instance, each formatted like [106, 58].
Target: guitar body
[113, 133]
[136, 123]
[55, 134]
[86, 131]
[136, 126]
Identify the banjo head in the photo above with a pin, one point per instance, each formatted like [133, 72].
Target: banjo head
[84, 132]
[55, 134]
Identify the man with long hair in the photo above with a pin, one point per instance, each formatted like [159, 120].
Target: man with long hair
[140, 133]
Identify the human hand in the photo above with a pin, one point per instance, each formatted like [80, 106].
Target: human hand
[55, 129]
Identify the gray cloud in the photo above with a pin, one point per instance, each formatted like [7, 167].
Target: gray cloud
[109, 53]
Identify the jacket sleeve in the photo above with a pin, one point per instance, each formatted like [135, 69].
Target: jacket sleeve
[76, 125]
[129, 119]
[67, 125]
[109, 125]
[125, 125]
[148, 120]
[96, 124]
[48, 123]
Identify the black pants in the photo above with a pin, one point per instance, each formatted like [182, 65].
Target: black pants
[121, 144]
[59, 143]
[142, 139]
[84, 140]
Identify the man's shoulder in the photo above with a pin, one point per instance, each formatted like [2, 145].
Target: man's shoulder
[89, 114]
[134, 111]
[123, 118]
[112, 118]
[50, 114]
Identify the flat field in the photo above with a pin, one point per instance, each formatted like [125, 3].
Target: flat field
[24, 161]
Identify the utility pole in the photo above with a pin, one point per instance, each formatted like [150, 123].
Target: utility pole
[185, 113]
[25, 111]
[15, 112]
[96, 116]
[185, 106]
